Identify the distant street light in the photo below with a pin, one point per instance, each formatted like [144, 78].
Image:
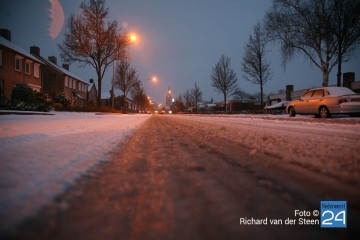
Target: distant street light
[152, 79]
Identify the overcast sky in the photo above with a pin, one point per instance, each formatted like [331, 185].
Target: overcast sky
[179, 41]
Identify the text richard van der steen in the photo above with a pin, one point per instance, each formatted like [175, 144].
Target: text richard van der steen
[332, 214]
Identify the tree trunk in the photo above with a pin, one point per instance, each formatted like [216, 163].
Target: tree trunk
[261, 96]
[99, 90]
[225, 103]
[124, 104]
[339, 72]
[325, 72]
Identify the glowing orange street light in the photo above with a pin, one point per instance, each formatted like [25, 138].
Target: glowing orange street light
[133, 38]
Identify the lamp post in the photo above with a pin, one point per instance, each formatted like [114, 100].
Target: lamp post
[132, 39]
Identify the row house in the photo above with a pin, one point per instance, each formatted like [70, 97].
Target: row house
[59, 79]
[17, 66]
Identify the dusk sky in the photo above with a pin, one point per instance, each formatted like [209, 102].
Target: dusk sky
[178, 41]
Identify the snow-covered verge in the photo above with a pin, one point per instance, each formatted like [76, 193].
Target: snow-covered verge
[42, 155]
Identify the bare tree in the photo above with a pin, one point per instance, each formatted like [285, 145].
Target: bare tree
[345, 23]
[138, 95]
[125, 79]
[223, 78]
[302, 26]
[254, 65]
[196, 96]
[187, 99]
[179, 104]
[90, 40]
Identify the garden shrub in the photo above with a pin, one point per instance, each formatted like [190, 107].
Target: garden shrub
[63, 99]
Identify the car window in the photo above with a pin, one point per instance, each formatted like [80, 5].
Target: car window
[326, 93]
[318, 93]
[308, 94]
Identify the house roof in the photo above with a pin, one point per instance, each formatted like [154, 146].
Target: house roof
[6, 43]
[59, 69]
[90, 86]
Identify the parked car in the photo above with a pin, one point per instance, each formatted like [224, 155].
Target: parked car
[325, 101]
[277, 106]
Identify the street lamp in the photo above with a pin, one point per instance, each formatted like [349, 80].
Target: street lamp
[133, 39]
[152, 79]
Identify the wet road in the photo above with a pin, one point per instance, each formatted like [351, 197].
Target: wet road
[178, 178]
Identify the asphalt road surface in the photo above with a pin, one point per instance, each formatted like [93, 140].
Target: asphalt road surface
[195, 178]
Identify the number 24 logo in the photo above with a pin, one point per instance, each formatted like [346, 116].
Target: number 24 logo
[329, 221]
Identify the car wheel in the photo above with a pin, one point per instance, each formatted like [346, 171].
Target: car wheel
[324, 112]
[292, 112]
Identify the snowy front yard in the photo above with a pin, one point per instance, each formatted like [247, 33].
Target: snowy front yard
[41, 155]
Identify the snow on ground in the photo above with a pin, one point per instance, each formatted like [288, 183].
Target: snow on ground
[42, 155]
[328, 146]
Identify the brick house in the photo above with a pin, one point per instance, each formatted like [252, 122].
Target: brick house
[17, 66]
[241, 105]
[92, 93]
[58, 79]
[130, 106]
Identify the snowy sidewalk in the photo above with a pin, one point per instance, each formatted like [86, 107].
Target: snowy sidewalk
[43, 155]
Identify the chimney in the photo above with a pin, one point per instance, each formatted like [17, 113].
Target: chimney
[289, 90]
[35, 50]
[91, 80]
[53, 59]
[5, 33]
[65, 66]
[348, 79]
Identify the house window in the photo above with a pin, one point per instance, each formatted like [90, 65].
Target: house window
[66, 81]
[0, 58]
[28, 67]
[18, 65]
[36, 70]
[74, 85]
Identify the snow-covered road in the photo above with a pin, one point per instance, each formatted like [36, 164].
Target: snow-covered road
[193, 177]
[329, 146]
[41, 155]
